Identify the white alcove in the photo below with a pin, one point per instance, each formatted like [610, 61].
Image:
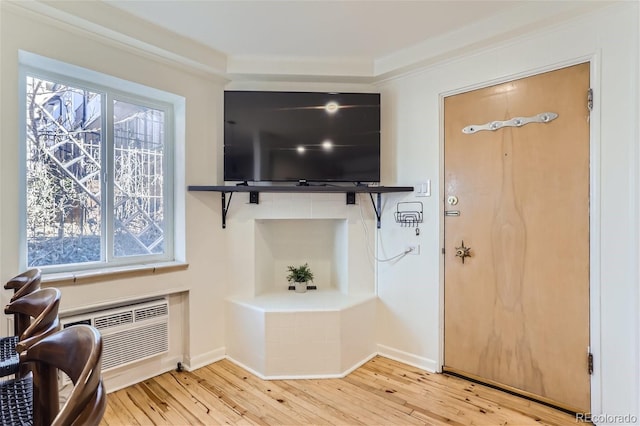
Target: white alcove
[322, 243]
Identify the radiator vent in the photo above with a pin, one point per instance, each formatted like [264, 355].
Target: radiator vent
[135, 344]
[129, 333]
[113, 320]
[151, 312]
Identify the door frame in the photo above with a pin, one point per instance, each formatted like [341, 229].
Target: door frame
[595, 179]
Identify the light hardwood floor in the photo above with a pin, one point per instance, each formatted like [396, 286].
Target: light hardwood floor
[381, 392]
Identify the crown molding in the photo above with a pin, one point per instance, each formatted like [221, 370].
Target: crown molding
[104, 23]
[99, 20]
[288, 67]
[528, 18]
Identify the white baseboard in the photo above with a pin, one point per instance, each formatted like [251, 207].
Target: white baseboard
[120, 378]
[205, 359]
[303, 376]
[407, 358]
[127, 376]
[359, 364]
[246, 367]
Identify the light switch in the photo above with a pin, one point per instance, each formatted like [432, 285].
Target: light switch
[424, 189]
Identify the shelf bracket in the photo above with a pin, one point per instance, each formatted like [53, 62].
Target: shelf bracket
[254, 197]
[254, 194]
[225, 207]
[377, 209]
[351, 198]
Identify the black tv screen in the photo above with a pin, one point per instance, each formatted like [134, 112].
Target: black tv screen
[301, 136]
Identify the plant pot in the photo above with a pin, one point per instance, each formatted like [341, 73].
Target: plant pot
[301, 287]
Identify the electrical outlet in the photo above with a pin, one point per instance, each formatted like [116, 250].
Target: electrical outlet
[412, 249]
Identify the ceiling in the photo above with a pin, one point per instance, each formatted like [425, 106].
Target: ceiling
[311, 28]
[371, 37]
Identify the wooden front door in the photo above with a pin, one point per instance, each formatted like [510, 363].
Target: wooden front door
[517, 310]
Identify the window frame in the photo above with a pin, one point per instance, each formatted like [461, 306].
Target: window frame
[40, 67]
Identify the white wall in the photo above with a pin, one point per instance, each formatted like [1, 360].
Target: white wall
[410, 291]
[197, 302]
[296, 242]
[291, 229]
[409, 319]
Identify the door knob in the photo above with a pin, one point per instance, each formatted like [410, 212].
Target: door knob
[463, 251]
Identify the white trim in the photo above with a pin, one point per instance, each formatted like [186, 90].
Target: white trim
[110, 89]
[108, 24]
[494, 32]
[124, 377]
[121, 301]
[441, 236]
[423, 363]
[22, 166]
[107, 167]
[359, 364]
[304, 376]
[246, 367]
[179, 180]
[202, 360]
[209, 63]
[595, 227]
[635, 187]
[94, 80]
[523, 74]
[108, 272]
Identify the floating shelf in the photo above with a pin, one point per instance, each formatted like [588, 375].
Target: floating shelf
[254, 193]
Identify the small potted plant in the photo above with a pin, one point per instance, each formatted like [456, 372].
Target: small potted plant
[300, 276]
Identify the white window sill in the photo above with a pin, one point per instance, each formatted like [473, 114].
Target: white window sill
[112, 272]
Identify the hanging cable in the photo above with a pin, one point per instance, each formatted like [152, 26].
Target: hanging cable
[372, 253]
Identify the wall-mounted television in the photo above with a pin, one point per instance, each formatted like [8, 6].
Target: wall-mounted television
[301, 137]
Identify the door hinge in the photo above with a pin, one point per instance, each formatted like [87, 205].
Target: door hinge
[590, 99]
[442, 250]
[590, 363]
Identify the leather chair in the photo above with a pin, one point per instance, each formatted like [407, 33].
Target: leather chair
[77, 351]
[41, 305]
[23, 284]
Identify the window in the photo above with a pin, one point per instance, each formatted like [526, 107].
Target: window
[97, 176]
